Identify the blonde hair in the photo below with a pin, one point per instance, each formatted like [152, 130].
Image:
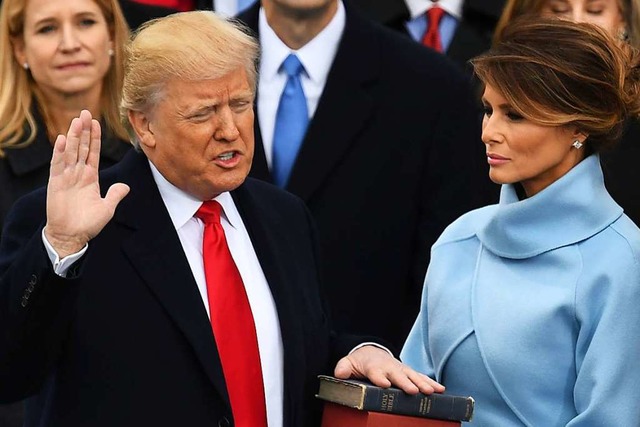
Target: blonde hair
[17, 87]
[515, 9]
[556, 72]
[188, 46]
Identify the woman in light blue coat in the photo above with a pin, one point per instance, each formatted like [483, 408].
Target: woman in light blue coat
[532, 306]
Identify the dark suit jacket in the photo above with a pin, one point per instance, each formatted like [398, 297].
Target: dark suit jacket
[23, 170]
[472, 37]
[622, 172]
[126, 341]
[391, 156]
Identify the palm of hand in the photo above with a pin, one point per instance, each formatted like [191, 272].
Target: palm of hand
[76, 212]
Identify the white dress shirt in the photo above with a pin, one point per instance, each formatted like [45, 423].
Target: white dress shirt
[227, 7]
[420, 7]
[316, 57]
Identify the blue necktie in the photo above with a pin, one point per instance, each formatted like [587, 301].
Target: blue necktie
[291, 122]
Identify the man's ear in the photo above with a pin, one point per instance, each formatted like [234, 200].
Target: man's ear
[141, 126]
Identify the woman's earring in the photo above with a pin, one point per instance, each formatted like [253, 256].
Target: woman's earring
[25, 65]
[623, 34]
[110, 52]
[577, 144]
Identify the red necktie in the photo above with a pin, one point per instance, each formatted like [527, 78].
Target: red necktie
[232, 323]
[181, 5]
[432, 37]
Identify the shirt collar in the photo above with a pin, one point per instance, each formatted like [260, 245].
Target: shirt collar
[316, 56]
[419, 7]
[183, 206]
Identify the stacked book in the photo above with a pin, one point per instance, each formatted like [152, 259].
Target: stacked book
[354, 403]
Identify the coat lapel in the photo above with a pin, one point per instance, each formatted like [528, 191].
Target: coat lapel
[155, 251]
[344, 109]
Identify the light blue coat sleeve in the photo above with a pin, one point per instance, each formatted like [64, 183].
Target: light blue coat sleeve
[607, 387]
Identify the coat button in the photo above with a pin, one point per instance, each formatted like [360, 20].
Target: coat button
[224, 422]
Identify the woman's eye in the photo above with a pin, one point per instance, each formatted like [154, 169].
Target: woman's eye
[514, 116]
[87, 22]
[45, 29]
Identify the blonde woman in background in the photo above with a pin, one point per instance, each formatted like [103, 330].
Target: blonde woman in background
[57, 57]
[621, 19]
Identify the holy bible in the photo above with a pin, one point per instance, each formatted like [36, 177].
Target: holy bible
[364, 396]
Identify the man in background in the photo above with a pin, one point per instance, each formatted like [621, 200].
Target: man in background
[381, 139]
[460, 29]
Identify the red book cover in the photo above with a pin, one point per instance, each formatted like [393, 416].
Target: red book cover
[335, 415]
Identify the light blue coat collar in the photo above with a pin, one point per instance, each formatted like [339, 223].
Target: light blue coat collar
[572, 209]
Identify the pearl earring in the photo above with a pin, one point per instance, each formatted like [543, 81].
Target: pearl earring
[110, 52]
[25, 65]
[577, 144]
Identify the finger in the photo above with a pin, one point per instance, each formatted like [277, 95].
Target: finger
[93, 156]
[115, 194]
[424, 383]
[379, 378]
[57, 159]
[85, 136]
[344, 369]
[73, 141]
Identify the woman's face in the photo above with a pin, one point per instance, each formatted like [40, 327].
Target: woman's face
[66, 44]
[604, 13]
[519, 150]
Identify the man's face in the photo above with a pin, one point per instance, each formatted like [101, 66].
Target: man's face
[200, 136]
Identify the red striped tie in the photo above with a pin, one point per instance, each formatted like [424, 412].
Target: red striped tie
[232, 323]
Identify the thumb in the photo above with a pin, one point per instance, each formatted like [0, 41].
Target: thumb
[344, 369]
[115, 194]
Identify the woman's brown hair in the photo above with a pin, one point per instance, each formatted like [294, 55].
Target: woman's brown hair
[555, 73]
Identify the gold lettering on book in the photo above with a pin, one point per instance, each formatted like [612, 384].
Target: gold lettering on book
[387, 402]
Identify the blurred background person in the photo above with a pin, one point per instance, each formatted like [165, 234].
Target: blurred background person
[531, 305]
[461, 29]
[224, 7]
[621, 18]
[367, 128]
[57, 57]
[137, 13]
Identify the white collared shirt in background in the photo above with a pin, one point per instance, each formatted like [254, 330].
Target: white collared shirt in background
[316, 57]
